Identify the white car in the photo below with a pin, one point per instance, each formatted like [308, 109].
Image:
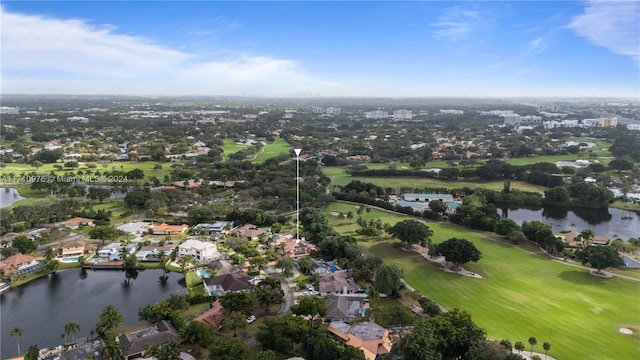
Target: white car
[251, 319]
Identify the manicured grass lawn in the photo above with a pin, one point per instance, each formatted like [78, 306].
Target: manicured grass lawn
[619, 204]
[231, 146]
[546, 158]
[522, 294]
[273, 149]
[145, 166]
[410, 182]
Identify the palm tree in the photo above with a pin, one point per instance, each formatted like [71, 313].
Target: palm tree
[72, 327]
[110, 319]
[546, 346]
[532, 341]
[184, 261]
[519, 346]
[587, 235]
[16, 332]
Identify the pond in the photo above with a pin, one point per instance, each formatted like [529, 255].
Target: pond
[604, 222]
[8, 196]
[42, 307]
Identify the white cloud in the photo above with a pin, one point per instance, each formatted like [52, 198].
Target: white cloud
[537, 45]
[456, 23]
[73, 46]
[46, 55]
[613, 25]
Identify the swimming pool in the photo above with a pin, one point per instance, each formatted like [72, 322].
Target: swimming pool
[203, 273]
[69, 259]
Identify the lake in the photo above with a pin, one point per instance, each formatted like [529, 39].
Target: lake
[42, 307]
[8, 196]
[604, 222]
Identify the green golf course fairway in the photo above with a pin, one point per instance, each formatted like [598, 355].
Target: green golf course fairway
[522, 294]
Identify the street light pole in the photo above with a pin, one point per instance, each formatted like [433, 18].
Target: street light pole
[297, 151]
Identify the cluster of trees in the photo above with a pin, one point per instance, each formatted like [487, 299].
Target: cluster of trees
[541, 234]
[282, 334]
[451, 335]
[167, 309]
[20, 244]
[24, 217]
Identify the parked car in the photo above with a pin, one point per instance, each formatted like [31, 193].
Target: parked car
[251, 319]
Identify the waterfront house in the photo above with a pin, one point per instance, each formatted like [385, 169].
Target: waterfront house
[133, 344]
[153, 252]
[218, 285]
[203, 252]
[75, 248]
[20, 264]
[367, 336]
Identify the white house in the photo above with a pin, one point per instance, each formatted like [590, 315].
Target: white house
[203, 252]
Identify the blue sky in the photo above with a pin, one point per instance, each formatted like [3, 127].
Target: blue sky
[359, 48]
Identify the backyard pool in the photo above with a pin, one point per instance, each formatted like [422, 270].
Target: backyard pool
[69, 259]
[203, 273]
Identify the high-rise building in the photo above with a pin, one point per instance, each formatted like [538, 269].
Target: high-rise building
[402, 115]
[333, 111]
[376, 114]
[611, 121]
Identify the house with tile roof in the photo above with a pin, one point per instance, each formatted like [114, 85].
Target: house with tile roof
[249, 231]
[367, 336]
[345, 308]
[218, 285]
[76, 248]
[133, 344]
[21, 264]
[212, 317]
[77, 222]
[336, 283]
[166, 229]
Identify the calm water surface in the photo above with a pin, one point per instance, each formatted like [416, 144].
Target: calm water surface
[42, 307]
[604, 222]
[8, 196]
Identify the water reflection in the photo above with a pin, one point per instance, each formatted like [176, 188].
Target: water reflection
[605, 222]
[43, 306]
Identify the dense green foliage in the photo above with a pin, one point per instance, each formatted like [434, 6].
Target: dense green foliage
[457, 251]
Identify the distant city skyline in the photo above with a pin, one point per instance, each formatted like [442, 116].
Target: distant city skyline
[358, 49]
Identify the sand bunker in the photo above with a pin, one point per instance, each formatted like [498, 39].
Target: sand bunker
[626, 331]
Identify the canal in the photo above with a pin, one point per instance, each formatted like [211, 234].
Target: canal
[42, 307]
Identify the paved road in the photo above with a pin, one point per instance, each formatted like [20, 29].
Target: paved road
[288, 293]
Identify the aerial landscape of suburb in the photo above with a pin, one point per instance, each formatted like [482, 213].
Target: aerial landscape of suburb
[320, 180]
